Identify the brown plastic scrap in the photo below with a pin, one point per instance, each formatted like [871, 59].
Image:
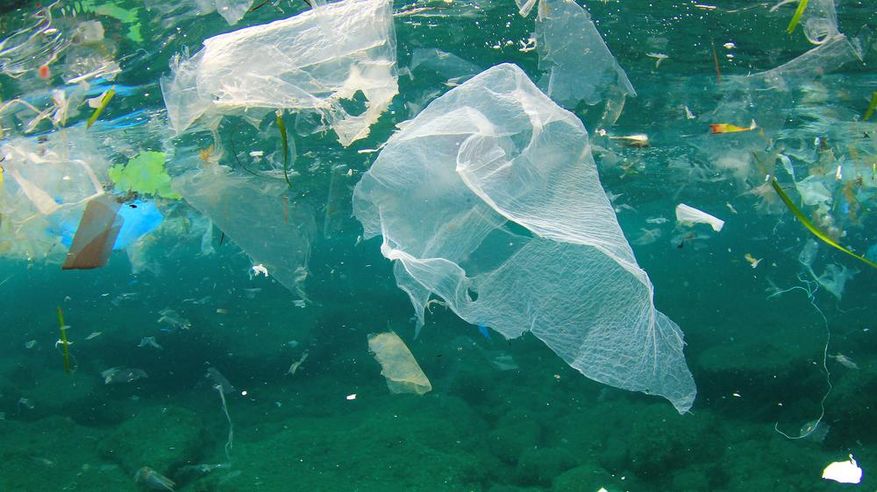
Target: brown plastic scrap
[97, 232]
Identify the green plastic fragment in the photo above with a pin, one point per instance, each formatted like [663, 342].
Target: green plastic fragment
[871, 107]
[822, 236]
[134, 34]
[145, 174]
[796, 17]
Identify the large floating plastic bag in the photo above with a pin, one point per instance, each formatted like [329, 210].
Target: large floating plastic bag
[490, 200]
[258, 215]
[579, 64]
[311, 61]
[398, 365]
[95, 236]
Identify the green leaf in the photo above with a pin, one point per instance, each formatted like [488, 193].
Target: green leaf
[145, 174]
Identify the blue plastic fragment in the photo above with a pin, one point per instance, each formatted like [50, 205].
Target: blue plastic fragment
[140, 217]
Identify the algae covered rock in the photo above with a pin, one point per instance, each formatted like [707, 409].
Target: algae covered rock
[163, 438]
[588, 478]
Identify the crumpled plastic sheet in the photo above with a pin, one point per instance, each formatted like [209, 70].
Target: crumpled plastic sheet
[62, 172]
[578, 63]
[490, 200]
[312, 61]
[47, 181]
[230, 10]
[259, 216]
[831, 54]
[32, 46]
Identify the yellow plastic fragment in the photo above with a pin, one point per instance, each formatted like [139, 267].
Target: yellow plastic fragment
[398, 365]
[104, 100]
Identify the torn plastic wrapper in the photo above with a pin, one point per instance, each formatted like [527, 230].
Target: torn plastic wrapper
[259, 216]
[687, 215]
[97, 232]
[398, 364]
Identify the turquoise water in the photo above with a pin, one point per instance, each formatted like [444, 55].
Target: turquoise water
[502, 414]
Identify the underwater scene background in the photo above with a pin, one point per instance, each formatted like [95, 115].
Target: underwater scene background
[190, 362]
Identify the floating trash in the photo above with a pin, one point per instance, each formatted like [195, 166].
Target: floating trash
[398, 365]
[122, 375]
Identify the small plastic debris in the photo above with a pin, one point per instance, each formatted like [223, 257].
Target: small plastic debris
[173, 320]
[223, 387]
[753, 261]
[729, 128]
[30, 344]
[94, 335]
[219, 381]
[636, 140]
[149, 342]
[647, 237]
[815, 430]
[688, 114]
[151, 479]
[843, 471]
[659, 57]
[26, 403]
[844, 361]
[296, 364]
[351, 397]
[398, 365]
[687, 215]
[121, 375]
[256, 270]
